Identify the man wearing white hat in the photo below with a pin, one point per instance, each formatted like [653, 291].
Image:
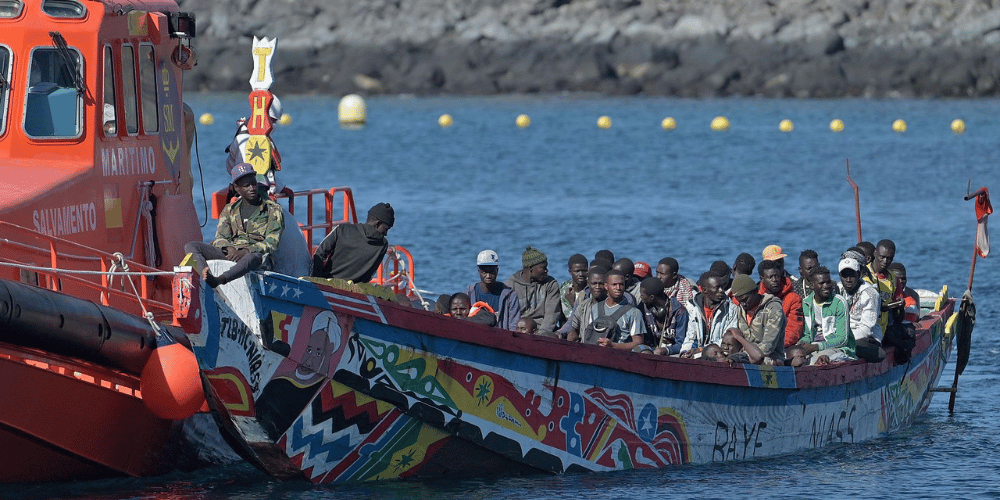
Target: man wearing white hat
[500, 297]
[865, 303]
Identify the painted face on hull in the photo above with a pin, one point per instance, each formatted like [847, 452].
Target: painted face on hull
[317, 355]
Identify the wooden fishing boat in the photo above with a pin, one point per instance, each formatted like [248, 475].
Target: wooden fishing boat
[96, 207]
[322, 382]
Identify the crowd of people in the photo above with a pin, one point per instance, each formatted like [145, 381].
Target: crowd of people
[725, 315]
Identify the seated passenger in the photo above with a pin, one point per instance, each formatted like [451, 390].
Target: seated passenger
[607, 255]
[666, 319]
[827, 329]
[627, 268]
[675, 284]
[443, 304]
[606, 311]
[863, 300]
[744, 264]
[642, 270]
[739, 349]
[721, 269]
[774, 282]
[354, 251]
[796, 356]
[574, 289]
[713, 314]
[500, 297]
[765, 318]
[774, 252]
[459, 306]
[808, 261]
[248, 228]
[911, 299]
[712, 352]
[527, 325]
[537, 292]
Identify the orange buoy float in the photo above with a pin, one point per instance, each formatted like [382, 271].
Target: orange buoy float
[170, 383]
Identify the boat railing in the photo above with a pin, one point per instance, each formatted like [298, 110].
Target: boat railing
[85, 272]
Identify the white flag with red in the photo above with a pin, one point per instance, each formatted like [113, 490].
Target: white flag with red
[983, 210]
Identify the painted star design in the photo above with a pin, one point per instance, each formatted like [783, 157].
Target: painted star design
[768, 378]
[405, 461]
[256, 152]
[483, 391]
[274, 286]
[285, 289]
[647, 423]
[297, 292]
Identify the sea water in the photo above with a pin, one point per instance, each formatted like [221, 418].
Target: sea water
[566, 186]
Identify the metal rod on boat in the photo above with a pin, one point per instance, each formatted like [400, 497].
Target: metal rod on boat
[857, 200]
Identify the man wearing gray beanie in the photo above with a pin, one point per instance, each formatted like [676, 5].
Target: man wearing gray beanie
[537, 292]
[354, 251]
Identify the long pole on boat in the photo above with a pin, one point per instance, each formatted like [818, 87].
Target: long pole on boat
[857, 199]
[967, 309]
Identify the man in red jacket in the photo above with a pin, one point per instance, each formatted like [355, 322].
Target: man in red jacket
[774, 282]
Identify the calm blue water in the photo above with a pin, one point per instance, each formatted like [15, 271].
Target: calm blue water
[565, 186]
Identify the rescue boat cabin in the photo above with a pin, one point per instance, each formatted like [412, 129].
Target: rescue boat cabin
[93, 148]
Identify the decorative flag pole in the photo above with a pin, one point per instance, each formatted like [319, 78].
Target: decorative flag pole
[260, 151]
[857, 199]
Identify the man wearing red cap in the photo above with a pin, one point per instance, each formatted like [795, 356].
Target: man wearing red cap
[248, 228]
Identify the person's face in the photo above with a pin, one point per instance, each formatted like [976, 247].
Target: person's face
[806, 266]
[616, 287]
[522, 326]
[382, 227]
[459, 308]
[667, 275]
[246, 187]
[645, 298]
[749, 300]
[578, 272]
[598, 286]
[772, 279]
[796, 358]
[901, 276]
[728, 344]
[316, 351]
[488, 274]
[714, 291]
[851, 280]
[823, 286]
[713, 353]
[538, 271]
[883, 257]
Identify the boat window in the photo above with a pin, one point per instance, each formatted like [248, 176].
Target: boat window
[54, 106]
[128, 89]
[109, 120]
[10, 9]
[64, 8]
[147, 75]
[4, 85]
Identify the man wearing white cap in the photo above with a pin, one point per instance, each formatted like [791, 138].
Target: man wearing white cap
[864, 302]
[500, 297]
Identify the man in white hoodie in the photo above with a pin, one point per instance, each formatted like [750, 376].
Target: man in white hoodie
[863, 299]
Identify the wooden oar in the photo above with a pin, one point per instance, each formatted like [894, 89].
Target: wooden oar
[857, 200]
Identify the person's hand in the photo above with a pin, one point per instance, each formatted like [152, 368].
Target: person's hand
[689, 354]
[605, 342]
[573, 336]
[660, 351]
[809, 348]
[237, 254]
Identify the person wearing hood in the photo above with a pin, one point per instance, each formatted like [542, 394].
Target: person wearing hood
[354, 251]
[537, 292]
[765, 318]
[774, 282]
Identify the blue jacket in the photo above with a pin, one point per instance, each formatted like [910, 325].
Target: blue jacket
[510, 309]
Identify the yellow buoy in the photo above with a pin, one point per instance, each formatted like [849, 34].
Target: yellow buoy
[837, 125]
[668, 123]
[206, 119]
[958, 126]
[899, 126]
[286, 119]
[720, 124]
[604, 122]
[522, 121]
[352, 110]
[786, 125]
[445, 120]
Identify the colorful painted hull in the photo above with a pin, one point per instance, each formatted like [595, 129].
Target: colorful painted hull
[333, 386]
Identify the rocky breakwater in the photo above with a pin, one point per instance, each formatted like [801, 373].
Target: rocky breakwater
[801, 48]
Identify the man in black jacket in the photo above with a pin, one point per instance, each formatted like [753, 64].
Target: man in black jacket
[354, 251]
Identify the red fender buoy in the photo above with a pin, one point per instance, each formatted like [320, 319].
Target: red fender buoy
[171, 384]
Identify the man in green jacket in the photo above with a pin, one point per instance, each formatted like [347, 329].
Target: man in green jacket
[248, 229]
[827, 329]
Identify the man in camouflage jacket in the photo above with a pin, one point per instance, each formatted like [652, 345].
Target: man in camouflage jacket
[248, 228]
[765, 318]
